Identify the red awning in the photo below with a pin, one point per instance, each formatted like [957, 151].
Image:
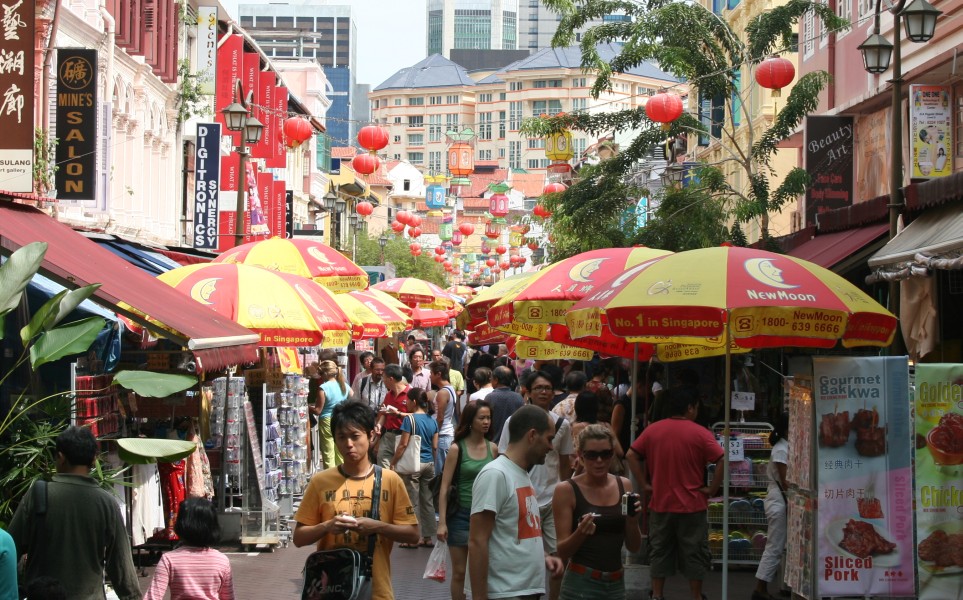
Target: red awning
[73, 260]
[830, 249]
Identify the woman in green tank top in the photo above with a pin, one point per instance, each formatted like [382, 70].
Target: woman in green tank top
[469, 453]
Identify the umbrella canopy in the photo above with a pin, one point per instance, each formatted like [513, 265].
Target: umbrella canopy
[464, 291]
[416, 292]
[306, 258]
[759, 298]
[429, 317]
[368, 324]
[390, 311]
[526, 348]
[285, 310]
[478, 306]
[551, 292]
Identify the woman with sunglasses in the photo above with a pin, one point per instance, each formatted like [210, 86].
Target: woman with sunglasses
[589, 522]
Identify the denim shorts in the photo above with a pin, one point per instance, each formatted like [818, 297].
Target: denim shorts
[458, 523]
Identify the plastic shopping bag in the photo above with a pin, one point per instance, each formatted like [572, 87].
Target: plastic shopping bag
[437, 567]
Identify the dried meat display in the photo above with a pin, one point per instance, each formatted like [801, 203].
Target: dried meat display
[870, 437]
[861, 539]
[869, 508]
[834, 429]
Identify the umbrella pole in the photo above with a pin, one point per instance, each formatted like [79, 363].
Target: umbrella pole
[635, 392]
[727, 401]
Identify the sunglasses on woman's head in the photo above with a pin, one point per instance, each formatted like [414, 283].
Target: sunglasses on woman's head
[597, 454]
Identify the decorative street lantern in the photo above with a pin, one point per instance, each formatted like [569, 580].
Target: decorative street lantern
[397, 227]
[414, 232]
[775, 73]
[466, 229]
[297, 130]
[435, 195]
[554, 187]
[457, 238]
[446, 229]
[492, 230]
[372, 138]
[541, 211]
[461, 161]
[403, 217]
[558, 146]
[415, 249]
[533, 245]
[664, 108]
[438, 258]
[439, 250]
[490, 261]
[364, 208]
[485, 248]
[366, 164]
[414, 221]
[501, 249]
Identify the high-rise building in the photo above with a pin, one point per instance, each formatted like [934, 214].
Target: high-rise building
[472, 24]
[325, 33]
[537, 25]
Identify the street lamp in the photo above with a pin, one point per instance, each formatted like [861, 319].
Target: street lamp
[673, 175]
[238, 117]
[383, 241]
[919, 18]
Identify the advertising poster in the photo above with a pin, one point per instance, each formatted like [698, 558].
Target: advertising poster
[279, 209]
[931, 131]
[873, 133]
[280, 157]
[76, 150]
[205, 49]
[829, 161]
[799, 467]
[799, 556]
[257, 185]
[17, 89]
[939, 480]
[230, 59]
[864, 475]
[264, 99]
[207, 175]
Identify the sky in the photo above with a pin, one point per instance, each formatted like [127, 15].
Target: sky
[391, 33]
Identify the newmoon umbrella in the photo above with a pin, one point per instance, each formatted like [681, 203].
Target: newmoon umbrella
[414, 292]
[751, 298]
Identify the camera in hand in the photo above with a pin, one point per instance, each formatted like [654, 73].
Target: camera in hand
[628, 504]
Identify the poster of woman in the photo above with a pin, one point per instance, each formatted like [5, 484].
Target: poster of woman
[931, 131]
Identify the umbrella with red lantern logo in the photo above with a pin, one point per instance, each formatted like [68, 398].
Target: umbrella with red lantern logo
[306, 258]
[416, 292]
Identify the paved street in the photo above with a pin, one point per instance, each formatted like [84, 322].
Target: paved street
[278, 575]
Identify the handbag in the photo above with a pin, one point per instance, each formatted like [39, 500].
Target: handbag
[410, 461]
[343, 573]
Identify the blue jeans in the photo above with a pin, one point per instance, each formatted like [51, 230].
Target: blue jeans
[444, 443]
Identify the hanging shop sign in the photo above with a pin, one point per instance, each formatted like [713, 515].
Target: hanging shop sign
[864, 474]
[207, 176]
[230, 60]
[829, 162]
[931, 131]
[205, 49]
[76, 123]
[17, 97]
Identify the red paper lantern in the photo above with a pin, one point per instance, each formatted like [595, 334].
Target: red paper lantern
[466, 229]
[664, 108]
[438, 258]
[372, 138]
[490, 262]
[541, 211]
[775, 73]
[366, 164]
[504, 265]
[414, 232]
[533, 246]
[439, 250]
[447, 265]
[364, 208]
[554, 188]
[403, 217]
[414, 220]
[397, 227]
[457, 238]
[297, 130]
[501, 249]
[485, 248]
[492, 231]
[416, 251]
[496, 270]
[414, 246]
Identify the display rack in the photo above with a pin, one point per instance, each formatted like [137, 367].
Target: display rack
[227, 429]
[747, 487]
[292, 414]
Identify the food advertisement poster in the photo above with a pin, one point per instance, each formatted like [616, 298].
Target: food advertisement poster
[864, 477]
[939, 480]
[931, 131]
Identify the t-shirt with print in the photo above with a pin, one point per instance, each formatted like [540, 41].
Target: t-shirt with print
[676, 452]
[330, 493]
[545, 476]
[426, 427]
[516, 564]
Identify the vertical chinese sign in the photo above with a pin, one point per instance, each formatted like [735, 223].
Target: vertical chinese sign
[207, 177]
[76, 123]
[939, 480]
[829, 162]
[865, 540]
[205, 49]
[931, 131]
[16, 94]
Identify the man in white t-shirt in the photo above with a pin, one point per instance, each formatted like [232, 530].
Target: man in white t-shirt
[506, 558]
[556, 467]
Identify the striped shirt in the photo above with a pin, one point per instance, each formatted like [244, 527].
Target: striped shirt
[192, 574]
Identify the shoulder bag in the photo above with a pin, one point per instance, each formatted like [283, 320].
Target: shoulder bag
[343, 573]
[410, 461]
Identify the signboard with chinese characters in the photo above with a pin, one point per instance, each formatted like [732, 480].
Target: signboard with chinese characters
[205, 49]
[829, 162]
[864, 477]
[76, 124]
[939, 479]
[207, 176]
[16, 95]
[931, 131]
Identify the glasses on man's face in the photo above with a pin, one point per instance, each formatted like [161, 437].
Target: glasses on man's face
[598, 454]
[542, 389]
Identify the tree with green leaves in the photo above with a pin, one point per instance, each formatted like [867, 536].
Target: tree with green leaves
[700, 48]
[398, 253]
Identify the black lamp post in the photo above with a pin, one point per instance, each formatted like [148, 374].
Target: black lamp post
[238, 117]
[383, 241]
[919, 18]
[673, 175]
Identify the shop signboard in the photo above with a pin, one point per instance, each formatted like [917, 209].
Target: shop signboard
[205, 49]
[873, 133]
[76, 152]
[939, 479]
[864, 477]
[207, 175]
[829, 162]
[931, 131]
[17, 96]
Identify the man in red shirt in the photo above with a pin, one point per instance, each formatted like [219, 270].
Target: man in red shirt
[390, 416]
[669, 461]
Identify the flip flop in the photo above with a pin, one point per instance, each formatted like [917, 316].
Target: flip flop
[408, 546]
[427, 545]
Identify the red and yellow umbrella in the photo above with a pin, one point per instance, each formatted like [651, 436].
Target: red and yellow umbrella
[463, 291]
[285, 310]
[306, 258]
[395, 314]
[551, 292]
[429, 317]
[416, 292]
[477, 307]
[367, 323]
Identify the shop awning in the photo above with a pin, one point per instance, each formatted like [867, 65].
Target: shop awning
[72, 260]
[936, 232]
[831, 249]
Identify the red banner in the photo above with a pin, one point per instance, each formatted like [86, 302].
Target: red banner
[264, 98]
[249, 74]
[265, 187]
[279, 160]
[278, 210]
[229, 176]
[229, 65]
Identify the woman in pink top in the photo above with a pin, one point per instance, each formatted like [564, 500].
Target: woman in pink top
[194, 570]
